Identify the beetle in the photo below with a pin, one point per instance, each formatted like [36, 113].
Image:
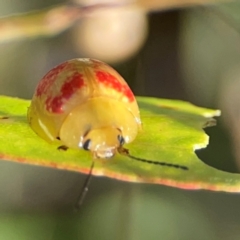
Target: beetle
[84, 103]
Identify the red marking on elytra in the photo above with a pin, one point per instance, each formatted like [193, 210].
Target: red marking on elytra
[128, 93]
[54, 104]
[49, 79]
[111, 81]
[72, 84]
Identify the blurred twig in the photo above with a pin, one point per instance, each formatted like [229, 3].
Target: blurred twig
[54, 20]
[154, 5]
[47, 22]
[38, 23]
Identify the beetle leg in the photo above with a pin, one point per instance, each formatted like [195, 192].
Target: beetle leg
[63, 148]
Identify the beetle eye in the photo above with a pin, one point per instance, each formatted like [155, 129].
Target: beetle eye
[86, 144]
[121, 139]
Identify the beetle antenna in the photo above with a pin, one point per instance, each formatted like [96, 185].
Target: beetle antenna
[125, 152]
[159, 163]
[84, 189]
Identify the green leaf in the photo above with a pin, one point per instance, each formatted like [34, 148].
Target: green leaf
[172, 130]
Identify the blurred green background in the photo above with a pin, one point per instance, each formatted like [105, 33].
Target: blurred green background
[190, 54]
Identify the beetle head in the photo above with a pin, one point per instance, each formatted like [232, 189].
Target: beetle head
[103, 142]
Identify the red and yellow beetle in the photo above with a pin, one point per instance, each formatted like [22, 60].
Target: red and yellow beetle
[84, 103]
